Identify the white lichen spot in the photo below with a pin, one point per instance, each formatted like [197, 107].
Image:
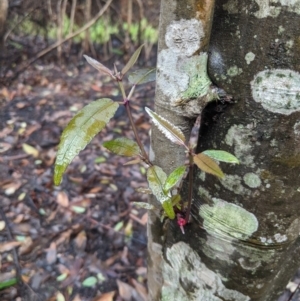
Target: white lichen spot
[281, 29]
[234, 184]
[268, 186]
[238, 136]
[280, 238]
[249, 57]
[297, 128]
[234, 71]
[228, 220]
[273, 143]
[263, 239]
[290, 43]
[202, 192]
[202, 175]
[231, 6]
[183, 37]
[252, 180]
[184, 269]
[278, 90]
[248, 265]
[266, 241]
[272, 8]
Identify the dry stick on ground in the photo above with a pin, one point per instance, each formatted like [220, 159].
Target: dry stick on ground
[68, 37]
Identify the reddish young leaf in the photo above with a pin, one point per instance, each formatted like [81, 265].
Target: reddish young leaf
[208, 165]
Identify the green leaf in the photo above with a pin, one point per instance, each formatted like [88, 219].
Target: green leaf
[8, 283]
[62, 277]
[168, 208]
[78, 209]
[123, 147]
[90, 281]
[174, 177]
[156, 178]
[60, 297]
[208, 165]
[132, 60]
[80, 131]
[172, 132]
[222, 156]
[119, 226]
[97, 65]
[176, 199]
[142, 76]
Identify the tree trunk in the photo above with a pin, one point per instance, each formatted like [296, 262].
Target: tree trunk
[3, 16]
[242, 243]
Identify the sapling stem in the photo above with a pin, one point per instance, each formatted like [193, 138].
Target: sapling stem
[126, 103]
[144, 154]
[190, 191]
[131, 92]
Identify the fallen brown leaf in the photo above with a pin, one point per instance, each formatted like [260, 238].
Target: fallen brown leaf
[106, 297]
[7, 246]
[51, 253]
[62, 199]
[140, 289]
[125, 290]
[26, 246]
[80, 241]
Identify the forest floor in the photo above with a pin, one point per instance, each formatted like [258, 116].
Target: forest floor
[83, 240]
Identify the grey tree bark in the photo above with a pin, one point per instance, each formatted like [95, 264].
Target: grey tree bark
[243, 241]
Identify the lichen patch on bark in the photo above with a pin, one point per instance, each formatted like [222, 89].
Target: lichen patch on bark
[252, 180]
[187, 278]
[278, 90]
[238, 137]
[273, 8]
[228, 220]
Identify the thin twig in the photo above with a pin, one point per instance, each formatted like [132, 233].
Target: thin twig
[144, 154]
[70, 36]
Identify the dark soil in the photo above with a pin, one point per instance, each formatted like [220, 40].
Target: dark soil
[56, 248]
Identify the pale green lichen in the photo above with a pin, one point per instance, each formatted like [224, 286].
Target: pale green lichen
[216, 248]
[296, 128]
[228, 220]
[273, 8]
[202, 175]
[278, 90]
[231, 6]
[186, 278]
[234, 71]
[281, 29]
[199, 82]
[234, 184]
[249, 57]
[252, 180]
[239, 137]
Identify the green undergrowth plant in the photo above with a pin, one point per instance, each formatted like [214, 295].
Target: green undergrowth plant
[93, 118]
